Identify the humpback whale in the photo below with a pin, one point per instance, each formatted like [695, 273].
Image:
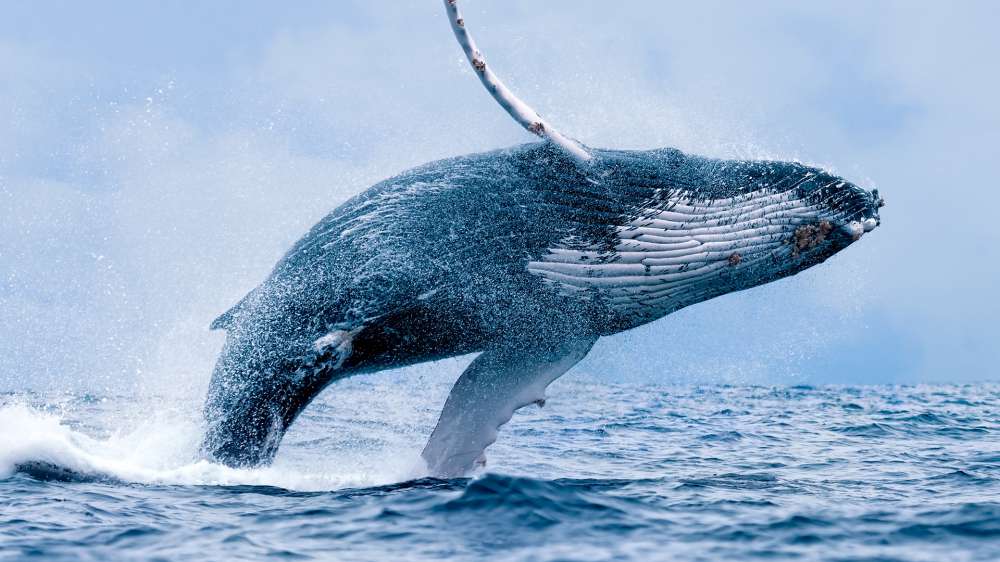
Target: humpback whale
[525, 255]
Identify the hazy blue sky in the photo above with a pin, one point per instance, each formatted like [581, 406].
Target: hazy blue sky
[157, 158]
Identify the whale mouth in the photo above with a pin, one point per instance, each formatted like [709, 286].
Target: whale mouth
[851, 214]
[856, 229]
[870, 220]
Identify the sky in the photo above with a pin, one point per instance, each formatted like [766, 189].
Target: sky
[157, 158]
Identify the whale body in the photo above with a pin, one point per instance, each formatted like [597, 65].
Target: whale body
[520, 254]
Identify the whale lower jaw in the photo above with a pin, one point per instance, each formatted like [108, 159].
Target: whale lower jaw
[685, 252]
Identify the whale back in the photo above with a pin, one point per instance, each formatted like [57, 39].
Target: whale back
[475, 220]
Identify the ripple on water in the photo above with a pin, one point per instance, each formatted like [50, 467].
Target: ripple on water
[624, 472]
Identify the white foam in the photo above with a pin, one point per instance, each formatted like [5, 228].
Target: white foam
[163, 451]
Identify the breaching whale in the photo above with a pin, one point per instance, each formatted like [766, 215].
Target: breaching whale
[526, 255]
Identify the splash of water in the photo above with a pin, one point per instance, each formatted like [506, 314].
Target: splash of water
[119, 440]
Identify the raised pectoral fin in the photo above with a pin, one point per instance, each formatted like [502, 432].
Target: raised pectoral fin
[497, 383]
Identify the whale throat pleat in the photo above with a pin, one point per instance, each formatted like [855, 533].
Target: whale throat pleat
[675, 252]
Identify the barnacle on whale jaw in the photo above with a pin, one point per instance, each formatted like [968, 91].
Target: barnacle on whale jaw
[809, 236]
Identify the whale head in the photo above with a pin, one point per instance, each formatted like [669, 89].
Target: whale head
[761, 221]
[697, 228]
[806, 215]
[751, 223]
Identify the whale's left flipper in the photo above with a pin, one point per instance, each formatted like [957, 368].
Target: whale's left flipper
[499, 381]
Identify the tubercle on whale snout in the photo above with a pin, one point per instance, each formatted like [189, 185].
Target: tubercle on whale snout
[807, 237]
[846, 212]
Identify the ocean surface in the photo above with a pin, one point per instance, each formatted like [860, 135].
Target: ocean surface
[623, 472]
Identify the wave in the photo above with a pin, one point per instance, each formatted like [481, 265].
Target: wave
[164, 451]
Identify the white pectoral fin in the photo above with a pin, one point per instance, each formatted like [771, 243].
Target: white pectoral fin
[496, 384]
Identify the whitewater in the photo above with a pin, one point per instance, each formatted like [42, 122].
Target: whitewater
[603, 471]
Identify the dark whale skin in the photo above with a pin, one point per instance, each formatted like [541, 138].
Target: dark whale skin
[433, 263]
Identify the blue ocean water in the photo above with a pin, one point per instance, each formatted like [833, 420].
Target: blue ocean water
[623, 472]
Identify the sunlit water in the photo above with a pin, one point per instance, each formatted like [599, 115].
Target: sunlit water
[625, 472]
